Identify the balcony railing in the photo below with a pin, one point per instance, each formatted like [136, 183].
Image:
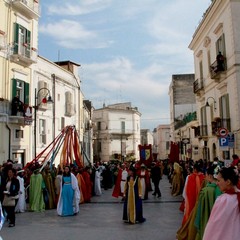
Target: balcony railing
[216, 68]
[25, 55]
[186, 119]
[29, 8]
[198, 85]
[221, 123]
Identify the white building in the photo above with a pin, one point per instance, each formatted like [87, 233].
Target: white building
[116, 132]
[61, 82]
[162, 141]
[217, 83]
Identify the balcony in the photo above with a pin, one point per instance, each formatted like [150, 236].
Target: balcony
[24, 56]
[220, 123]
[29, 8]
[6, 115]
[216, 69]
[198, 85]
[178, 123]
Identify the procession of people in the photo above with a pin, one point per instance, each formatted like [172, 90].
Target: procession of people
[205, 188]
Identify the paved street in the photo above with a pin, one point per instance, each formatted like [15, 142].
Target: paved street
[102, 219]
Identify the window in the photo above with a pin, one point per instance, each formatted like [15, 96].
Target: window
[167, 145]
[220, 45]
[22, 41]
[122, 127]
[42, 131]
[225, 112]
[203, 127]
[98, 125]
[99, 147]
[21, 89]
[69, 107]
[42, 93]
[18, 134]
[201, 69]
[62, 122]
[209, 58]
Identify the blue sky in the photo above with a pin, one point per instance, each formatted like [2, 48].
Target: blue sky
[128, 49]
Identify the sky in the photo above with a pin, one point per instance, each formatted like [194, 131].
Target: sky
[128, 49]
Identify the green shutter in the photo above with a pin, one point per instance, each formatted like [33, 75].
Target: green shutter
[16, 39]
[28, 39]
[14, 87]
[26, 93]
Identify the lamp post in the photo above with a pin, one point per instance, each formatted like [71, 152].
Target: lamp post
[214, 103]
[46, 99]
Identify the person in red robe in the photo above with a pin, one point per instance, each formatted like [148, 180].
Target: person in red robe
[191, 190]
[118, 189]
[88, 183]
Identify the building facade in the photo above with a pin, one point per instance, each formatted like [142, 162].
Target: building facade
[29, 83]
[116, 132]
[183, 116]
[162, 141]
[18, 52]
[216, 48]
[61, 82]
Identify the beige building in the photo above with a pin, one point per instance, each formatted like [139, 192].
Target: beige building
[161, 145]
[28, 122]
[216, 48]
[116, 132]
[18, 51]
[183, 116]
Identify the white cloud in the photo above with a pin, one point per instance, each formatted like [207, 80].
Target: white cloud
[71, 34]
[74, 8]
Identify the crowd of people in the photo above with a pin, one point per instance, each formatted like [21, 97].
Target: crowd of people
[38, 188]
[210, 191]
[211, 199]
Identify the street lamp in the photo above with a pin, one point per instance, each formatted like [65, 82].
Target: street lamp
[46, 99]
[214, 103]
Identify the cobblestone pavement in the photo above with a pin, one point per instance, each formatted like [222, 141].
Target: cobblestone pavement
[102, 219]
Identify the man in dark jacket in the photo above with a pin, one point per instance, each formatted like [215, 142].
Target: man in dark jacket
[156, 175]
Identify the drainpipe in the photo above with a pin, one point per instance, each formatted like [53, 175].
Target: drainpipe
[9, 141]
[54, 102]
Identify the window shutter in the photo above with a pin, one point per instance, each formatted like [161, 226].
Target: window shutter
[26, 93]
[14, 87]
[16, 38]
[28, 41]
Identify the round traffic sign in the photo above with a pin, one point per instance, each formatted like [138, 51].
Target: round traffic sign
[222, 132]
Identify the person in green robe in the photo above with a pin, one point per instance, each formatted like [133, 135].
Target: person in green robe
[207, 197]
[194, 227]
[50, 187]
[36, 201]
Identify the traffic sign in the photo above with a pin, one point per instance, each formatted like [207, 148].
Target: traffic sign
[231, 140]
[223, 142]
[222, 132]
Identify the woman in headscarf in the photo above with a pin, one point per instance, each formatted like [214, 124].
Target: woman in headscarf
[69, 197]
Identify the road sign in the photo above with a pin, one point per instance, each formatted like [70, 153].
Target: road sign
[231, 140]
[223, 142]
[222, 132]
